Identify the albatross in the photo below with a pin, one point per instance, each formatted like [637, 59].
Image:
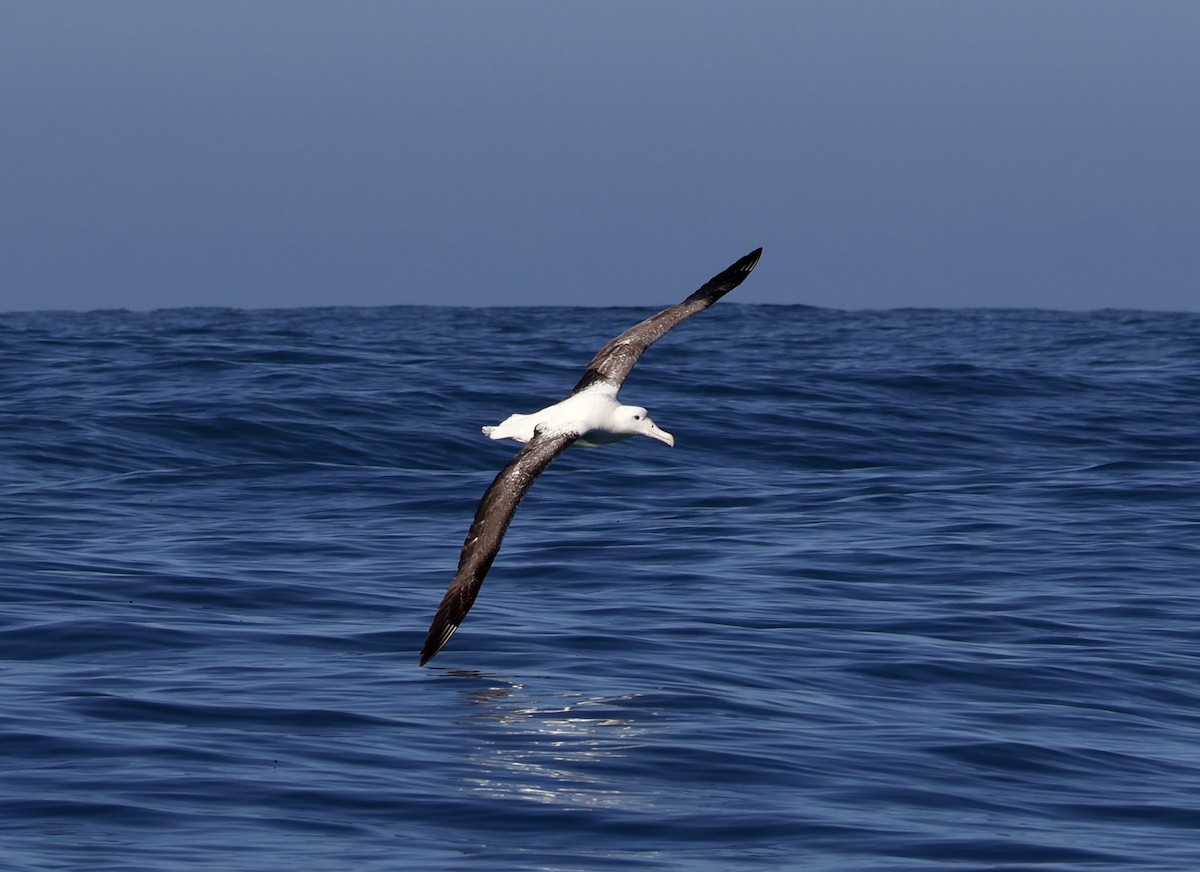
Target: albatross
[589, 415]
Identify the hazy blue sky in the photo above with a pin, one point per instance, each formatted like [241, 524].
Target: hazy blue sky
[271, 153]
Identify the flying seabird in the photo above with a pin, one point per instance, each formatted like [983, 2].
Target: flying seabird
[589, 415]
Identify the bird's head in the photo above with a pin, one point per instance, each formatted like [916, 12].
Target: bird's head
[634, 420]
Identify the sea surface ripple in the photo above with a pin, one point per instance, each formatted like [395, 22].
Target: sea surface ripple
[916, 590]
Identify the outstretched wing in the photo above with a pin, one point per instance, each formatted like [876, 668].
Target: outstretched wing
[495, 510]
[614, 361]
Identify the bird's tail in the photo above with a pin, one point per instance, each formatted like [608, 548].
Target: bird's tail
[513, 427]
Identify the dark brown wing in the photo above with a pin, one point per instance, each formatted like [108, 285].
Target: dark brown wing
[614, 361]
[495, 510]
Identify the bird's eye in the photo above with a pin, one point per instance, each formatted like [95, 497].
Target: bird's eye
[637, 417]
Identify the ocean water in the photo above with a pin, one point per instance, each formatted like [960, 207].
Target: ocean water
[915, 590]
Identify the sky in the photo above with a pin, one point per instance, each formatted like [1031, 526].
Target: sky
[285, 153]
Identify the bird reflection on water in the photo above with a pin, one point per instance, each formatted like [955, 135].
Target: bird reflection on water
[556, 750]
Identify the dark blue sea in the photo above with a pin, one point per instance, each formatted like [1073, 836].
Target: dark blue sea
[915, 590]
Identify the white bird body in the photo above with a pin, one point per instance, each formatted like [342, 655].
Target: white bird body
[593, 413]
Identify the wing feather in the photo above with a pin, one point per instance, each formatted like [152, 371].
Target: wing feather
[495, 511]
[614, 361]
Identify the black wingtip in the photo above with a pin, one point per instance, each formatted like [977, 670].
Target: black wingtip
[428, 652]
[426, 656]
[439, 635]
[726, 280]
[749, 262]
[734, 274]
